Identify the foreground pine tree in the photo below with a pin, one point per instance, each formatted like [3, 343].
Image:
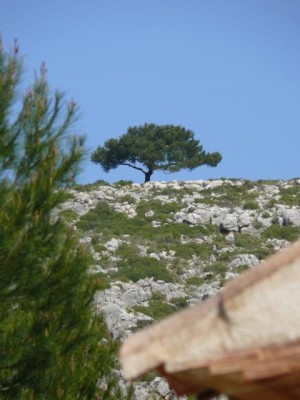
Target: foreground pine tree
[49, 337]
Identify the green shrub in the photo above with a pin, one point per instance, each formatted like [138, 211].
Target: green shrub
[158, 296]
[109, 223]
[100, 281]
[290, 233]
[179, 230]
[65, 195]
[257, 224]
[89, 187]
[98, 247]
[187, 250]
[127, 198]
[290, 196]
[218, 238]
[266, 214]
[196, 280]
[128, 252]
[263, 252]
[206, 200]
[68, 215]
[101, 182]
[179, 302]
[225, 256]
[169, 191]
[242, 268]
[165, 240]
[250, 205]
[91, 220]
[122, 183]
[149, 377]
[162, 211]
[253, 245]
[157, 309]
[218, 268]
[134, 267]
[142, 324]
[271, 203]
[229, 195]
[145, 267]
[103, 219]
[247, 241]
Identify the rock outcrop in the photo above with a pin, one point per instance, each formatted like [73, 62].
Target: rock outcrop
[162, 246]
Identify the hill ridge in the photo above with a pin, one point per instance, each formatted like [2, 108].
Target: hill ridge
[161, 246]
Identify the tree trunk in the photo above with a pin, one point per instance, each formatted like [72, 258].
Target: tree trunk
[148, 175]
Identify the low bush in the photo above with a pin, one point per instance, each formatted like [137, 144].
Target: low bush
[290, 233]
[162, 211]
[100, 281]
[290, 196]
[89, 187]
[250, 204]
[145, 267]
[187, 250]
[134, 267]
[226, 256]
[263, 252]
[158, 296]
[65, 195]
[241, 268]
[98, 247]
[195, 281]
[157, 310]
[271, 203]
[127, 198]
[68, 215]
[122, 183]
[103, 219]
[229, 195]
[218, 268]
[257, 224]
[247, 241]
[179, 302]
[266, 214]
[149, 377]
[142, 324]
[168, 191]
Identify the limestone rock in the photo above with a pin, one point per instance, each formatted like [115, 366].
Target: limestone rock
[199, 217]
[230, 223]
[203, 292]
[230, 237]
[244, 219]
[290, 216]
[244, 259]
[160, 386]
[149, 214]
[113, 244]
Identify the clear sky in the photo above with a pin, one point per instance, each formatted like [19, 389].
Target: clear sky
[227, 69]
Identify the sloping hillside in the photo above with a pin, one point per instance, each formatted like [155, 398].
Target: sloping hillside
[158, 247]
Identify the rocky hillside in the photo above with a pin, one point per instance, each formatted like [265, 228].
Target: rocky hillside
[159, 247]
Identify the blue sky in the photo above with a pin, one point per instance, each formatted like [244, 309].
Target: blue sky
[227, 69]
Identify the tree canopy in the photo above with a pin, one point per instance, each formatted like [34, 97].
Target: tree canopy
[50, 338]
[149, 147]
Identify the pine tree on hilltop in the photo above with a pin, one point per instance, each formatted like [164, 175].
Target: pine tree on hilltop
[49, 336]
[150, 147]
